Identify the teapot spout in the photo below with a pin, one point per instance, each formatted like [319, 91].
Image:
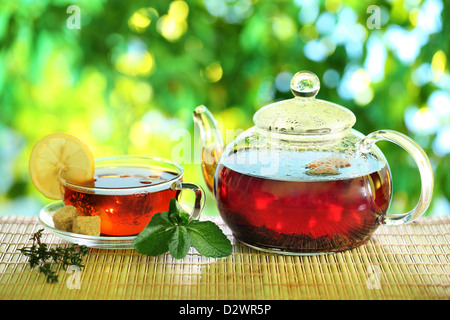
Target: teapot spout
[211, 143]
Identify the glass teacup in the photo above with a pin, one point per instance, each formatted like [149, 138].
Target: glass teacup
[127, 191]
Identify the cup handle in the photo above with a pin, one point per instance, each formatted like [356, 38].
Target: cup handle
[423, 164]
[199, 197]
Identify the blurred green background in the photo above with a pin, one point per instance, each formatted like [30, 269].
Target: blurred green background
[133, 72]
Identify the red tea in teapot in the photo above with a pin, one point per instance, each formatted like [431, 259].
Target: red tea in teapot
[322, 213]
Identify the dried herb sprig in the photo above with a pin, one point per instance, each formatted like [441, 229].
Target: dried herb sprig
[41, 256]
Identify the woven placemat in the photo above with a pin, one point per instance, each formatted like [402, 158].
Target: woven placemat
[399, 262]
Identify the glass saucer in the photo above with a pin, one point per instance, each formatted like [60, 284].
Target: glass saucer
[102, 242]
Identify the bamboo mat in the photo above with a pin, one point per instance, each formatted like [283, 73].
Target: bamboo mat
[399, 262]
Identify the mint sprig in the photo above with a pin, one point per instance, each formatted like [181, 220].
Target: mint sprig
[171, 231]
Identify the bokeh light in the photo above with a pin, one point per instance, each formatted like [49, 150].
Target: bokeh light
[130, 77]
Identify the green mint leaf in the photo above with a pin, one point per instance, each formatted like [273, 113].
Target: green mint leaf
[174, 206]
[172, 231]
[179, 243]
[208, 239]
[185, 217]
[177, 214]
[179, 219]
[154, 239]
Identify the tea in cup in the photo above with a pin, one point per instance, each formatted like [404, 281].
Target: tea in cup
[127, 191]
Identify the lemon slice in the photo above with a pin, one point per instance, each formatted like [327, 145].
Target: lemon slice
[60, 152]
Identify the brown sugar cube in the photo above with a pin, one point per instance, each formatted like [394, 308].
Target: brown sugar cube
[88, 225]
[63, 218]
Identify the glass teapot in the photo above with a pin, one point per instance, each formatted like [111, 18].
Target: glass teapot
[302, 181]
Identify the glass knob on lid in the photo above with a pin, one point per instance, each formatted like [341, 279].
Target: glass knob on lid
[305, 84]
[304, 114]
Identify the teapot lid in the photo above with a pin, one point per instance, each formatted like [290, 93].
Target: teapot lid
[304, 114]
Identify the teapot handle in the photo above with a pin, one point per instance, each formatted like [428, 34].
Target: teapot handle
[423, 163]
